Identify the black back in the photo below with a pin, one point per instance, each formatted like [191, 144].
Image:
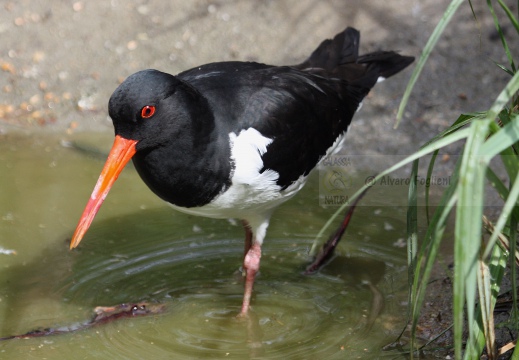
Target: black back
[302, 108]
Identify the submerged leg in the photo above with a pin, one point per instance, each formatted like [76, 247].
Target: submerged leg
[328, 248]
[251, 264]
[251, 260]
[248, 237]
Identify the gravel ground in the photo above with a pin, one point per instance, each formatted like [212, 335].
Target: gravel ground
[60, 61]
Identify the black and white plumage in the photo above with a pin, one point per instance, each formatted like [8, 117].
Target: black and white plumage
[236, 139]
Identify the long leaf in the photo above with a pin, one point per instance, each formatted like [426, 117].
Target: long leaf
[429, 250]
[501, 36]
[497, 184]
[412, 236]
[505, 213]
[431, 43]
[501, 140]
[467, 236]
[461, 121]
[507, 94]
[428, 181]
[497, 267]
[485, 308]
[510, 15]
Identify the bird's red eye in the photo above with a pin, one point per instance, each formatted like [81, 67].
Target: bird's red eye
[147, 111]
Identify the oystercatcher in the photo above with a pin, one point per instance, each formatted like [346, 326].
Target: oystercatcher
[236, 139]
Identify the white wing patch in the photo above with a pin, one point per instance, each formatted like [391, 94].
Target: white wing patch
[246, 151]
[252, 194]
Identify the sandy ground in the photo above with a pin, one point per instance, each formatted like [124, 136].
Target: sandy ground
[60, 61]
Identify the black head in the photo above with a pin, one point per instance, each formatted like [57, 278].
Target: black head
[150, 110]
[150, 107]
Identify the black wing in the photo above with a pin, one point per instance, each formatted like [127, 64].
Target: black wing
[304, 115]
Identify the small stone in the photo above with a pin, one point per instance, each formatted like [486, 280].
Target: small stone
[24, 106]
[78, 6]
[7, 67]
[388, 226]
[86, 104]
[38, 56]
[143, 9]
[142, 36]
[35, 99]
[35, 17]
[36, 114]
[132, 45]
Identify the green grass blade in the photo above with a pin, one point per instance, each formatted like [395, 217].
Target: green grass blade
[501, 36]
[510, 203]
[412, 219]
[504, 97]
[429, 250]
[428, 182]
[504, 68]
[513, 273]
[504, 116]
[497, 184]
[431, 43]
[504, 138]
[485, 308]
[462, 120]
[467, 236]
[510, 15]
[515, 354]
[412, 235]
[497, 267]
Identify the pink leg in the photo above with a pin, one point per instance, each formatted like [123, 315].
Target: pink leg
[251, 264]
[248, 237]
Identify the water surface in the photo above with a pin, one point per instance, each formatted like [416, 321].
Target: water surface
[139, 249]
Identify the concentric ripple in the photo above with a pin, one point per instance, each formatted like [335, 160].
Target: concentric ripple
[154, 257]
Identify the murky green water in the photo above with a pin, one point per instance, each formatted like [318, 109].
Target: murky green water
[140, 249]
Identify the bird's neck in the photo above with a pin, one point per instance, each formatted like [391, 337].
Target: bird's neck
[191, 169]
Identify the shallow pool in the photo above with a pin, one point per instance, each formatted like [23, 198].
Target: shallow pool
[139, 249]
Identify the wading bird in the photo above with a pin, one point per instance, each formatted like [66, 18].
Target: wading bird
[236, 139]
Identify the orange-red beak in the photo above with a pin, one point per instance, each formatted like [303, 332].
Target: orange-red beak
[121, 152]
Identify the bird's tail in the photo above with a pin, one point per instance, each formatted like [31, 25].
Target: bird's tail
[339, 58]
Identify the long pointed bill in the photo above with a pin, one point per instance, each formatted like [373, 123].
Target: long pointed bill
[121, 152]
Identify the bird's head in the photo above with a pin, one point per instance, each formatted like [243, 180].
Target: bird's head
[147, 111]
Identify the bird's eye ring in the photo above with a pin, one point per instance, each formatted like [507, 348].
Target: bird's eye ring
[147, 111]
